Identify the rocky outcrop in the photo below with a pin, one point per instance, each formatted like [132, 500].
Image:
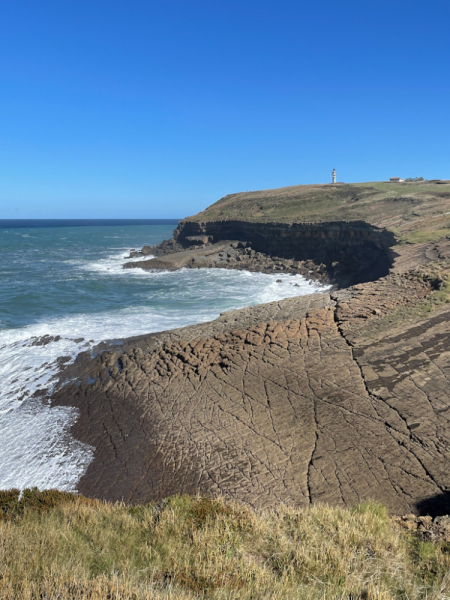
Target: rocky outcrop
[311, 399]
[352, 252]
[427, 528]
[342, 253]
[237, 256]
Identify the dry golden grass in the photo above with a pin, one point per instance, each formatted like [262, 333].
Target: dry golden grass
[186, 548]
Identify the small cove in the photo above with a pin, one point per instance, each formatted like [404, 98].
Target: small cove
[68, 281]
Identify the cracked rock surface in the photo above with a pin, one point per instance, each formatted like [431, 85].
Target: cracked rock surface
[321, 398]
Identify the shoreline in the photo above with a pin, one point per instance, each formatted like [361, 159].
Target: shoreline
[287, 402]
[230, 255]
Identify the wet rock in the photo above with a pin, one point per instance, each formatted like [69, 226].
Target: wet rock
[63, 360]
[44, 340]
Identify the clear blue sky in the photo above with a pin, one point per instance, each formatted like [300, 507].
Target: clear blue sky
[158, 108]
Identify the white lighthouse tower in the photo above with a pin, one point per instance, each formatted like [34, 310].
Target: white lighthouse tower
[333, 175]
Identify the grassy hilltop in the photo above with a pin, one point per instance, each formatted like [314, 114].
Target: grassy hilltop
[405, 208]
[56, 545]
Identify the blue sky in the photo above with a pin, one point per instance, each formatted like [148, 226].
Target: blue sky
[157, 109]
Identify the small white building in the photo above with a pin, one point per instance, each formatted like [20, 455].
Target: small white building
[333, 176]
[396, 179]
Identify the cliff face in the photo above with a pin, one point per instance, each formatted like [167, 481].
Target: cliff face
[353, 252]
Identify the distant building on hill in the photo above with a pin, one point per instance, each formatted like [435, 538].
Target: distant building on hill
[333, 176]
[396, 179]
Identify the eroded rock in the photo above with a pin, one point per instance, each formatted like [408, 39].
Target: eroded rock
[270, 404]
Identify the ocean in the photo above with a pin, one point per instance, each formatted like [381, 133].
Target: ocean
[65, 278]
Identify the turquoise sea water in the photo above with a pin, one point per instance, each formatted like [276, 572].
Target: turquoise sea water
[67, 280]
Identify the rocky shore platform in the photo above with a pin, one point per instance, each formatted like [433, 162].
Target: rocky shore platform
[336, 397]
[227, 254]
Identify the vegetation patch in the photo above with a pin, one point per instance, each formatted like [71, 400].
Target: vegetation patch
[424, 235]
[438, 275]
[13, 503]
[185, 548]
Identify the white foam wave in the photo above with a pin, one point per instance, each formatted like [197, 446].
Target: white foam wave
[36, 447]
[113, 264]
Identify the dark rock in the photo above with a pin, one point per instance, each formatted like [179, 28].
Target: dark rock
[45, 339]
[362, 251]
[63, 360]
